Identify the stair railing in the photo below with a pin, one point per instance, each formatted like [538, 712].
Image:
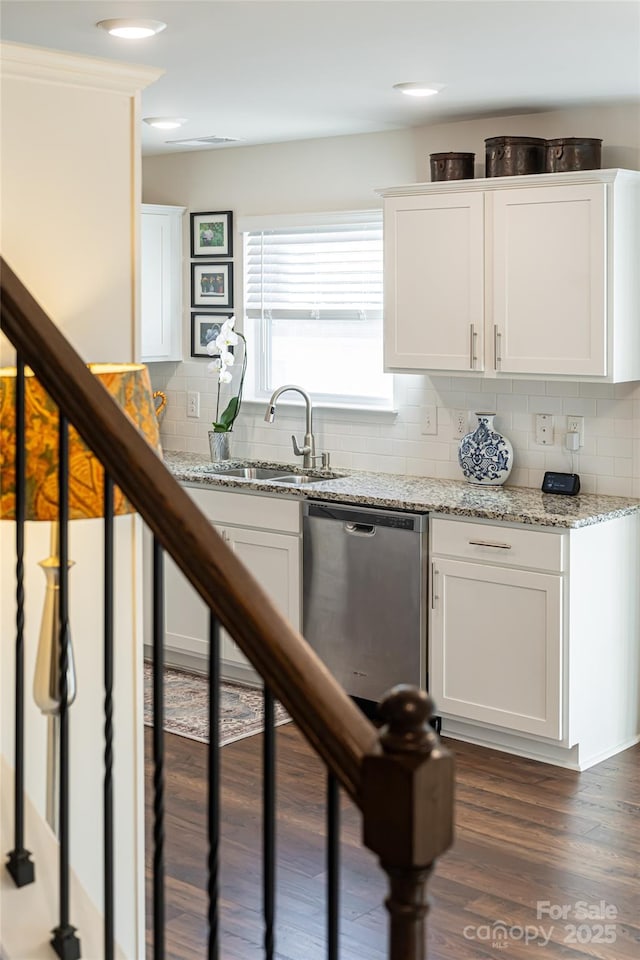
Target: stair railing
[401, 777]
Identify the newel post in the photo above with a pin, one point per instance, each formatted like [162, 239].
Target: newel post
[407, 806]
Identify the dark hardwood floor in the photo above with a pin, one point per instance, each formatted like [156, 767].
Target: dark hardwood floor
[525, 832]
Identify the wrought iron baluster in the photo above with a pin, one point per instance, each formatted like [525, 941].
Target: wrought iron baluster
[109, 934]
[333, 867]
[65, 942]
[158, 753]
[19, 864]
[269, 824]
[213, 811]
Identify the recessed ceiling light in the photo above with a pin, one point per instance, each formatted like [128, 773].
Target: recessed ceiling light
[132, 29]
[213, 141]
[165, 123]
[419, 88]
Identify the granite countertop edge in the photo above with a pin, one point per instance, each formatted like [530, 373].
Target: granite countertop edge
[419, 494]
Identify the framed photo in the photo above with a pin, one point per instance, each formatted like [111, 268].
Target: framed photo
[205, 327]
[211, 284]
[212, 234]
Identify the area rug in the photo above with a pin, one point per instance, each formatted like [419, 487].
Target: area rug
[187, 709]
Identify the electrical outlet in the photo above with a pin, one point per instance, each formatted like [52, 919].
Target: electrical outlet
[576, 425]
[544, 428]
[193, 403]
[460, 423]
[430, 421]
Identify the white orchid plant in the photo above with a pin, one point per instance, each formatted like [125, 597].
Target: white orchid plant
[224, 359]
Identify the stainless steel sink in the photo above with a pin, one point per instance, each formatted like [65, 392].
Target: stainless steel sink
[300, 478]
[277, 474]
[251, 473]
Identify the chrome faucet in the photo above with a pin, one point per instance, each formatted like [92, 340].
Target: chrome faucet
[308, 449]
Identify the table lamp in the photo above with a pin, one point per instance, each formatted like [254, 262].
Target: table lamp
[129, 385]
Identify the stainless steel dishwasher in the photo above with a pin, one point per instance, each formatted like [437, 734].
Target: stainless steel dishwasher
[364, 595]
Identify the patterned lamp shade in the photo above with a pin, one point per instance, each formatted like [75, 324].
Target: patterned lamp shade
[128, 384]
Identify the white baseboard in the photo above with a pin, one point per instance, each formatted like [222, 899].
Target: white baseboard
[196, 663]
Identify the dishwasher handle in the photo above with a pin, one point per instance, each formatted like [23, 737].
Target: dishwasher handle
[360, 529]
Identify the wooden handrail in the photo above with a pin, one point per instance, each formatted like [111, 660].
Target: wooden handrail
[330, 721]
[401, 777]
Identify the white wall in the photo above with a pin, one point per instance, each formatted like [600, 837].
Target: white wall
[70, 183]
[342, 173]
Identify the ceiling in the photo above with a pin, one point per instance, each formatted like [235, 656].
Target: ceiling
[271, 70]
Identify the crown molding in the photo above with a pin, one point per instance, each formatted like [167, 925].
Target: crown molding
[18, 60]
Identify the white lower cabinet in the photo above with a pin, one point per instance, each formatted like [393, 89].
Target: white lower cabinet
[533, 644]
[496, 646]
[265, 533]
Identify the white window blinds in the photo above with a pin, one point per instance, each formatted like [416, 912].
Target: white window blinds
[327, 271]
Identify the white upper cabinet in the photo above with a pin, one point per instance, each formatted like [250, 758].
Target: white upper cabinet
[531, 276]
[161, 283]
[434, 282]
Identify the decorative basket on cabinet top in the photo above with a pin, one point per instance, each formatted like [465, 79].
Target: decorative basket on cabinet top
[451, 166]
[514, 156]
[572, 153]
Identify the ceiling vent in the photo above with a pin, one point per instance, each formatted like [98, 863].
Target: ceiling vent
[205, 141]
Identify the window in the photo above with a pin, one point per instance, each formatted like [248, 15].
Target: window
[313, 305]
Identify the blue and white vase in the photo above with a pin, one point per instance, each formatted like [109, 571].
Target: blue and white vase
[485, 456]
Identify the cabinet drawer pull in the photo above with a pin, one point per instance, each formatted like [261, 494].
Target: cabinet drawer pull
[488, 543]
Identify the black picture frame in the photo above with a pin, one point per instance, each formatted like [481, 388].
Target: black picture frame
[212, 284]
[212, 235]
[204, 328]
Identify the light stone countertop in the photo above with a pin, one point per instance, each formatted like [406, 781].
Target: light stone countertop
[419, 494]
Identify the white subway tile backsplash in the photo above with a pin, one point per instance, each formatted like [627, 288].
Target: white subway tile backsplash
[551, 405]
[354, 444]
[598, 391]
[579, 407]
[623, 466]
[532, 388]
[531, 459]
[498, 386]
[599, 466]
[614, 486]
[520, 477]
[611, 447]
[448, 470]
[615, 408]
[479, 401]
[383, 465]
[588, 483]
[512, 403]
[618, 428]
[198, 446]
[609, 459]
[562, 388]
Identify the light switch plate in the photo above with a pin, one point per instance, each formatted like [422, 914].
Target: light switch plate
[193, 403]
[544, 428]
[430, 420]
